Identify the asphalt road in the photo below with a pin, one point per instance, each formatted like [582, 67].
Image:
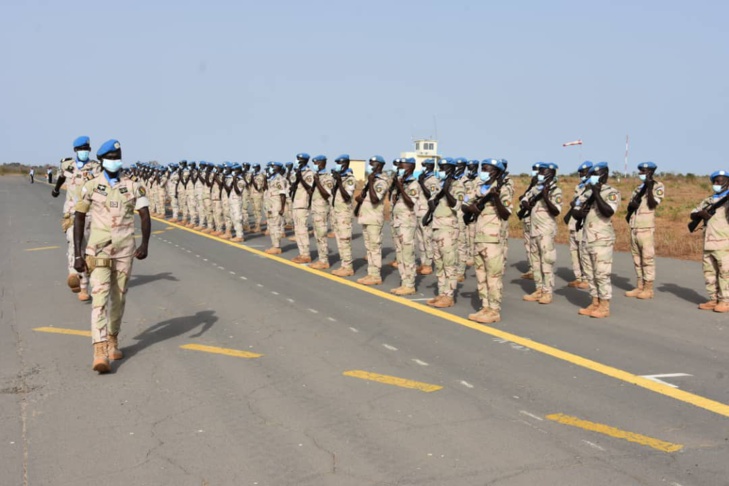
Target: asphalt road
[545, 397]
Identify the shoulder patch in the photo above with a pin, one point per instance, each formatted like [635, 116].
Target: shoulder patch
[350, 182]
[659, 192]
[123, 190]
[460, 197]
[412, 192]
[558, 200]
[142, 191]
[613, 197]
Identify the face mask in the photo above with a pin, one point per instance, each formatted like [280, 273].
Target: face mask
[717, 188]
[484, 176]
[338, 168]
[594, 180]
[540, 177]
[112, 166]
[83, 155]
[583, 178]
[368, 170]
[534, 172]
[400, 172]
[641, 177]
[441, 175]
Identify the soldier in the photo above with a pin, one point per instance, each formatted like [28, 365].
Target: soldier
[245, 196]
[542, 204]
[575, 236]
[594, 216]
[162, 196]
[391, 175]
[491, 207]
[205, 202]
[225, 199]
[75, 173]
[460, 175]
[172, 182]
[470, 184]
[323, 185]
[526, 226]
[342, 195]
[642, 220]
[111, 198]
[444, 208]
[507, 186]
[289, 213]
[258, 180]
[216, 198]
[713, 212]
[370, 212]
[236, 203]
[429, 185]
[182, 190]
[301, 192]
[404, 200]
[277, 187]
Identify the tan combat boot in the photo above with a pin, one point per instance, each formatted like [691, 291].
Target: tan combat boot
[112, 347]
[722, 307]
[583, 285]
[647, 292]
[527, 276]
[445, 301]
[403, 290]
[534, 296]
[228, 235]
[301, 259]
[84, 296]
[343, 272]
[237, 239]
[101, 358]
[370, 280]
[434, 300]
[425, 270]
[546, 298]
[74, 283]
[461, 278]
[573, 284]
[587, 311]
[257, 229]
[602, 311]
[199, 228]
[709, 305]
[637, 290]
[319, 265]
[274, 250]
[393, 264]
[331, 234]
[486, 315]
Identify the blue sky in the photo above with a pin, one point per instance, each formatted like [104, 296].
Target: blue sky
[259, 81]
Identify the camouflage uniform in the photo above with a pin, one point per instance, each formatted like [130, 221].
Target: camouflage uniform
[111, 246]
[372, 218]
[225, 198]
[172, 188]
[320, 216]
[598, 239]
[342, 218]
[508, 188]
[425, 233]
[575, 239]
[257, 199]
[642, 226]
[245, 200]
[277, 186]
[200, 189]
[715, 259]
[543, 227]
[216, 200]
[405, 224]
[462, 236]
[182, 190]
[445, 239]
[235, 208]
[162, 194]
[470, 186]
[301, 212]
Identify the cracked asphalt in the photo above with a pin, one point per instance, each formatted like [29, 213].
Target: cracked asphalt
[173, 416]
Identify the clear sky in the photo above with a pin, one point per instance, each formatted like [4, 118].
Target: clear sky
[258, 81]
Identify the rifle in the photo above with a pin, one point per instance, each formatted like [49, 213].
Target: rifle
[524, 212]
[572, 205]
[586, 209]
[365, 190]
[469, 218]
[295, 185]
[428, 217]
[636, 201]
[711, 210]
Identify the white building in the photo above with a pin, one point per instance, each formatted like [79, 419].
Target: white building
[424, 149]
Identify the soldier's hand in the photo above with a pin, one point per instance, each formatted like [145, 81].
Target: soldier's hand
[359, 198]
[79, 265]
[141, 252]
[281, 212]
[431, 205]
[470, 208]
[633, 206]
[524, 204]
[55, 192]
[703, 214]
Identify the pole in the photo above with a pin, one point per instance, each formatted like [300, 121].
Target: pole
[627, 146]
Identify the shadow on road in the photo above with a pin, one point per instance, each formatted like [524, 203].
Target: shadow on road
[689, 295]
[145, 279]
[622, 282]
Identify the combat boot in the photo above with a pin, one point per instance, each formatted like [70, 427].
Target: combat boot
[370, 280]
[319, 265]
[461, 278]
[573, 284]
[469, 263]
[301, 259]
[199, 228]
[445, 301]
[722, 307]
[274, 250]
[228, 235]
[583, 285]
[267, 232]
[588, 310]
[208, 231]
[602, 311]
[393, 264]
[403, 290]
[433, 300]
[112, 348]
[534, 296]
[84, 296]
[237, 239]
[331, 234]
[546, 298]
[343, 272]
[101, 358]
[486, 315]
[74, 283]
[527, 276]
[637, 290]
[708, 305]
[257, 229]
[647, 292]
[425, 270]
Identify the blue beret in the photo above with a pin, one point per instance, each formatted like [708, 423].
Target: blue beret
[537, 165]
[429, 162]
[585, 165]
[277, 164]
[598, 166]
[409, 160]
[342, 158]
[493, 163]
[504, 162]
[377, 158]
[319, 158]
[236, 166]
[461, 160]
[302, 155]
[81, 141]
[550, 165]
[108, 146]
[256, 164]
[473, 162]
[447, 161]
[647, 165]
[719, 173]
[289, 164]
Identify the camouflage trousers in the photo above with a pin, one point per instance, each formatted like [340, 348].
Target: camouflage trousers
[301, 230]
[218, 214]
[489, 261]
[184, 210]
[395, 240]
[108, 296]
[275, 224]
[235, 214]
[597, 261]
[320, 220]
[288, 212]
[208, 208]
[462, 245]
[405, 234]
[425, 242]
[245, 200]
[175, 206]
[575, 249]
[527, 226]
[342, 226]
[504, 241]
[162, 202]
[544, 256]
[644, 253]
[192, 206]
[152, 195]
[372, 234]
[201, 209]
[716, 274]
[71, 256]
[225, 199]
[257, 202]
[445, 256]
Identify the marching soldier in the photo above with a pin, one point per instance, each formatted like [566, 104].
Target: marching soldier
[75, 173]
[460, 175]
[342, 196]
[258, 180]
[575, 236]
[289, 213]
[491, 207]
[245, 196]
[642, 220]
[301, 193]
[508, 186]
[526, 227]
[216, 199]
[236, 203]
[714, 213]
[470, 184]
[111, 199]
[429, 185]
[598, 238]
[172, 182]
[370, 212]
[542, 204]
[277, 187]
[404, 200]
[323, 185]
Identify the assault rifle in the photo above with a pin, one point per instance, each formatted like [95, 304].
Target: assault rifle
[428, 218]
[572, 205]
[711, 210]
[524, 212]
[636, 201]
[365, 191]
[585, 209]
[481, 202]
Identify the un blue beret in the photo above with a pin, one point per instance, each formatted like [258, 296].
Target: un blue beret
[647, 165]
[409, 160]
[719, 173]
[585, 165]
[319, 158]
[377, 158]
[342, 158]
[537, 165]
[598, 166]
[461, 160]
[107, 147]
[81, 141]
[493, 163]
[550, 165]
[447, 161]
[302, 155]
[473, 162]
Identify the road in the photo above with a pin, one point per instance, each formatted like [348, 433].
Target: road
[245, 369]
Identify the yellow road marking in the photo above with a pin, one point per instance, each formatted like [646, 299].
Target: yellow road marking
[657, 444]
[675, 393]
[158, 232]
[42, 248]
[227, 352]
[393, 380]
[60, 330]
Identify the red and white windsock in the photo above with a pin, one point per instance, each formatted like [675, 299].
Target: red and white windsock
[574, 142]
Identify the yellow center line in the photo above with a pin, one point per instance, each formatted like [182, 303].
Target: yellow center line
[60, 330]
[657, 444]
[393, 380]
[158, 232]
[622, 375]
[42, 248]
[225, 351]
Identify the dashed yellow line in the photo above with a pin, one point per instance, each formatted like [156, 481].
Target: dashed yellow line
[622, 375]
[60, 330]
[42, 248]
[660, 445]
[225, 351]
[393, 380]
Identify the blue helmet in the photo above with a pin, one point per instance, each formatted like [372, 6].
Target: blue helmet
[447, 161]
[492, 163]
[596, 167]
[550, 165]
[718, 173]
[461, 161]
[319, 158]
